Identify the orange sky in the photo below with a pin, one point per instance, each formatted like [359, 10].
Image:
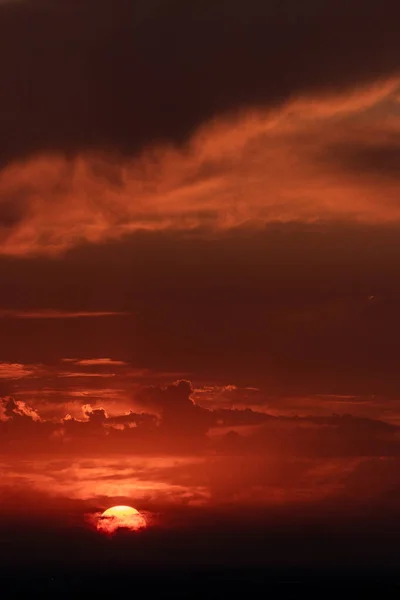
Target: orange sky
[199, 257]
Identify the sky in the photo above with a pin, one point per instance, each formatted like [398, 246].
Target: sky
[199, 259]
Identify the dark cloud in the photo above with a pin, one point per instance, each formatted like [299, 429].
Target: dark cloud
[367, 159]
[312, 437]
[286, 308]
[17, 410]
[181, 424]
[183, 420]
[95, 415]
[179, 413]
[182, 427]
[122, 74]
[12, 212]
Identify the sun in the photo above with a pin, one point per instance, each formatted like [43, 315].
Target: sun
[118, 517]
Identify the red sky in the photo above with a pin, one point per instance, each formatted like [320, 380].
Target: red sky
[199, 257]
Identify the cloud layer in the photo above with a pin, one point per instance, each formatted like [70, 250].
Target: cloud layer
[306, 161]
[128, 125]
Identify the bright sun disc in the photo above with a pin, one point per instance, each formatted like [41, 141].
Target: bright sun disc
[118, 517]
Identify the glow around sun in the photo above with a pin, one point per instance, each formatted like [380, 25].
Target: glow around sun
[120, 517]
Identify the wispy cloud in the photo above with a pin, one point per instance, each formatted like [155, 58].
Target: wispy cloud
[14, 371]
[97, 362]
[83, 374]
[263, 167]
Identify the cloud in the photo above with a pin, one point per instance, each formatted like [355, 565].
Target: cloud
[201, 186]
[171, 422]
[181, 417]
[244, 306]
[78, 374]
[336, 436]
[17, 410]
[333, 462]
[14, 371]
[378, 160]
[229, 396]
[95, 415]
[181, 425]
[258, 168]
[99, 480]
[92, 83]
[100, 362]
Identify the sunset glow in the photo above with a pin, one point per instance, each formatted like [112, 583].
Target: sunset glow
[199, 296]
[120, 517]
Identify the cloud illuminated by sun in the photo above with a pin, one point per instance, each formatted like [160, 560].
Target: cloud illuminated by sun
[120, 517]
[257, 168]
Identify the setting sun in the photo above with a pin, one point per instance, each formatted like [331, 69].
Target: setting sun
[118, 517]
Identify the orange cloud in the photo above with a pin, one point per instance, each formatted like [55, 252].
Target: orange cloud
[83, 374]
[14, 371]
[265, 166]
[142, 479]
[11, 409]
[100, 362]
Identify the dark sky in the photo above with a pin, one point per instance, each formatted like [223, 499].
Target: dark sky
[199, 267]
